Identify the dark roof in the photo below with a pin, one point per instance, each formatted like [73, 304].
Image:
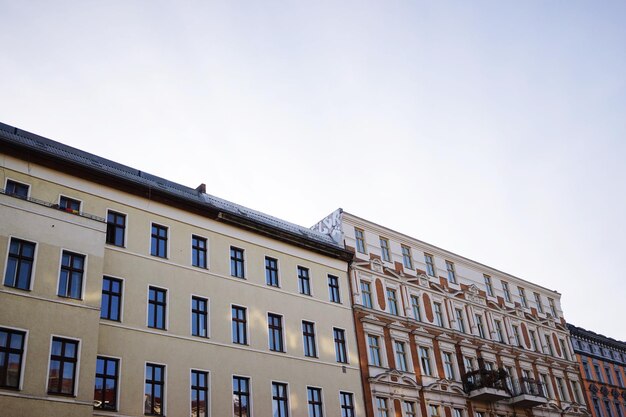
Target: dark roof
[28, 145]
[580, 332]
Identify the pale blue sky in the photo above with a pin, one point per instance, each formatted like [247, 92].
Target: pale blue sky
[493, 129]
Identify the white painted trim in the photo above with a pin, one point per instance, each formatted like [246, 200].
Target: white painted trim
[84, 276]
[311, 293]
[315, 338]
[207, 253]
[282, 335]
[23, 364]
[288, 395]
[126, 224]
[250, 396]
[278, 271]
[245, 263]
[208, 389]
[119, 379]
[208, 314]
[122, 297]
[6, 182]
[167, 307]
[247, 325]
[168, 239]
[164, 391]
[33, 270]
[76, 369]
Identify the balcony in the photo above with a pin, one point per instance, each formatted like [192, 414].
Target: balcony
[527, 393]
[486, 385]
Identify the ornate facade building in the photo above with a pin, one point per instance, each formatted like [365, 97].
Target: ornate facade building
[602, 362]
[124, 294]
[440, 335]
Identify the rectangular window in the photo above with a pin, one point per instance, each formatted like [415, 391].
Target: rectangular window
[522, 296]
[561, 388]
[11, 357]
[341, 354]
[457, 412]
[598, 372]
[552, 307]
[451, 272]
[607, 406]
[618, 374]
[415, 305]
[63, 362]
[409, 409]
[401, 356]
[366, 294]
[488, 285]
[546, 385]
[407, 258]
[618, 407]
[448, 365]
[154, 393]
[433, 411]
[549, 346]
[480, 326]
[374, 348]
[517, 336]
[304, 281]
[111, 302]
[271, 271]
[499, 331]
[69, 204]
[333, 289]
[469, 363]
[392, 300]
[533, 340]
[280, 404]
[460, 323]
[241, 397]
[430, 265]
[198, 251]
[199, 393]
[19, 264]
[275, 327]
[384, 249]
[314, 400]
[575, 390]
[71, 278]
[157, 303]
[382, 408]
[17, 189]
[596, 406]
[587, 370]
[425, 361]
[116, 228]
[239, 325]
[565, 350]
[538, 302]
[236, 263]
[360, 240]
[346, 400]
[507, 293]
[438, 314]
[308, 339]
[199, 316]
[609, 377]
[105, 390]
[158, 242]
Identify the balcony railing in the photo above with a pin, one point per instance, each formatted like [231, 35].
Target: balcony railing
[527, 393]
[485, 378]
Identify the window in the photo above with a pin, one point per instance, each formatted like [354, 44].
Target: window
[71, 278]
[333, 289]
[19, 264]
[488, 285]
[430, 264]
[366, 294]
[609, 377]
[308, 339]
[480, 326]
[552, 307]
[105, 390]
[346, 400]
[17, 189]
[549, 346]
[561, 388]
[576, 391]
[384, 249]
[239, 325]
[111, 302]
[241, 396]
[341, 354]
[587, 370]
[116, 228]
[236, 262]
[157, 303]
[275, 327]
[69, 204]
[469, 363]
[499, 332]
[546, 385]
[457, 412]
[280, 406]
[409, 409]
[598, 372]
[407, 259]
[199, 316]
[607, 406]
[538, 302]
[314, 399]
[374, 348]
[522, 296]
[198, 251]
[507, 293]
[448, 365]
[304, 281]
[392, 301]
[415, 305]
[460, 323]
[516, 335]
[618, 374]
[360, 240]
[199, 393]
[425, 361]
[596, 406]
[401, 356]
[564, 349]
[158, 243]
[382, 409]
[533, 340]
[63, 361]
[618, 407]
[433, 411]
[451, 272]
[271, 271]
[438, 314]
[11, 357]
[154, 394]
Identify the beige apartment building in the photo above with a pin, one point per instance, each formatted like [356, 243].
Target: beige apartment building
[125, 294]
[440, 335]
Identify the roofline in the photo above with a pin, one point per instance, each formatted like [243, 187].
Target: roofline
[579, 331]
[497, 271]
[39, 152]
